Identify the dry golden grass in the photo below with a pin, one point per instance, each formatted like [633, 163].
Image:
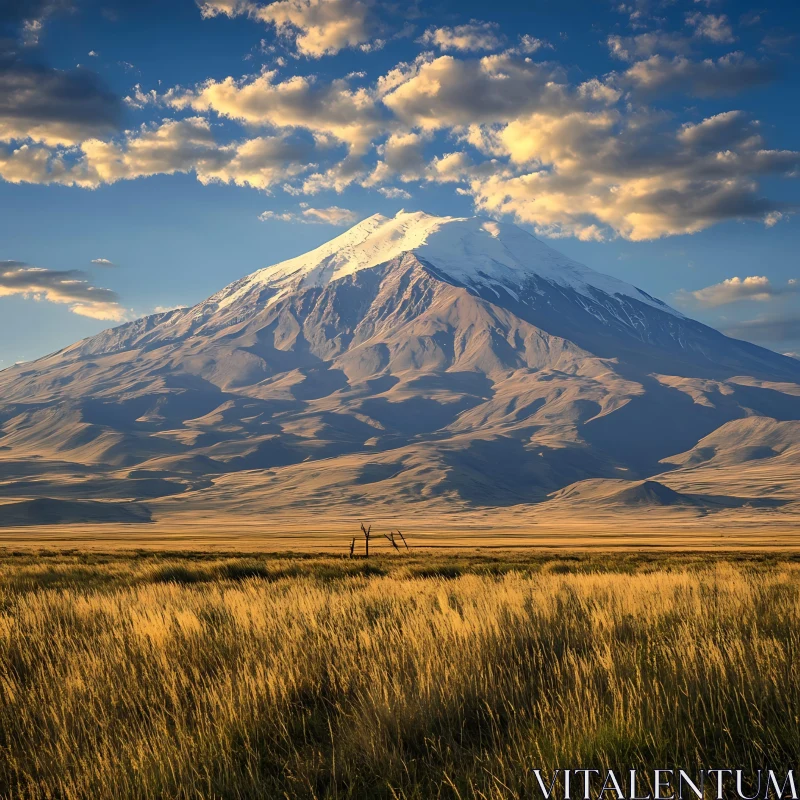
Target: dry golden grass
[405, 677]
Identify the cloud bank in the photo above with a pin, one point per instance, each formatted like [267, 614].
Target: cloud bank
[592, 158]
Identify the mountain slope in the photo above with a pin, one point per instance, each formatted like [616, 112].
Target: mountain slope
[454, 361]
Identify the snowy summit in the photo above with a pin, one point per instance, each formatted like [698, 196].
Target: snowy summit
[473, 251]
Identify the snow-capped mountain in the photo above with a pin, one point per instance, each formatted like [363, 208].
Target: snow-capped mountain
[459, 361]
[496, 261]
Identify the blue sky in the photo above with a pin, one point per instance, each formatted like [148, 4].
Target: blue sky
[151, 153]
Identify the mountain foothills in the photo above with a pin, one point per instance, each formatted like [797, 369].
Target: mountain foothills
[457, 363]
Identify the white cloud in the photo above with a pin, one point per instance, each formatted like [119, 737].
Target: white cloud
[260, 163]
[402, 156]
[333, 215]
[330, 109]
[394, 193]
[229, 8]
[450, 92]
[316, 27]
[284, 216]
[708, 78]
[336, 178]
[772, 218]
[474, 36]
[173, 146]
[715, 27]
[35, 164]
[103, 262]
[733, 290]
[31, 30]
[165, 149]
[722, 131]
[530, 44]
[450, 168]
[139, 98]
[320, 27]
[65, 287]
[586, 172]
[639, 12]
[644, 45]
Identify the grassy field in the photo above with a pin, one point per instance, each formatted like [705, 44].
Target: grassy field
[406, 676]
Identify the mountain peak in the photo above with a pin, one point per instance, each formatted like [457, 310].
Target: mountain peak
[473, 251]
[474, 365]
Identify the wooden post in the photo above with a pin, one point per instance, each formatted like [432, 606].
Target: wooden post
[352, 546]
[403, 538]
[390, 537]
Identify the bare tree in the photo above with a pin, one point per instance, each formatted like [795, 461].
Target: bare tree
[366, 532]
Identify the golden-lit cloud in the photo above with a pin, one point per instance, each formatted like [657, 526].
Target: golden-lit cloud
[715, 27]
[733, 290]
[448, 92]
[329, 109]
[710, 77]
[333, 215]
[591, 173]
[173, 146]
[65, 287]
[316, 27]
[472, 36]
[592, 159]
